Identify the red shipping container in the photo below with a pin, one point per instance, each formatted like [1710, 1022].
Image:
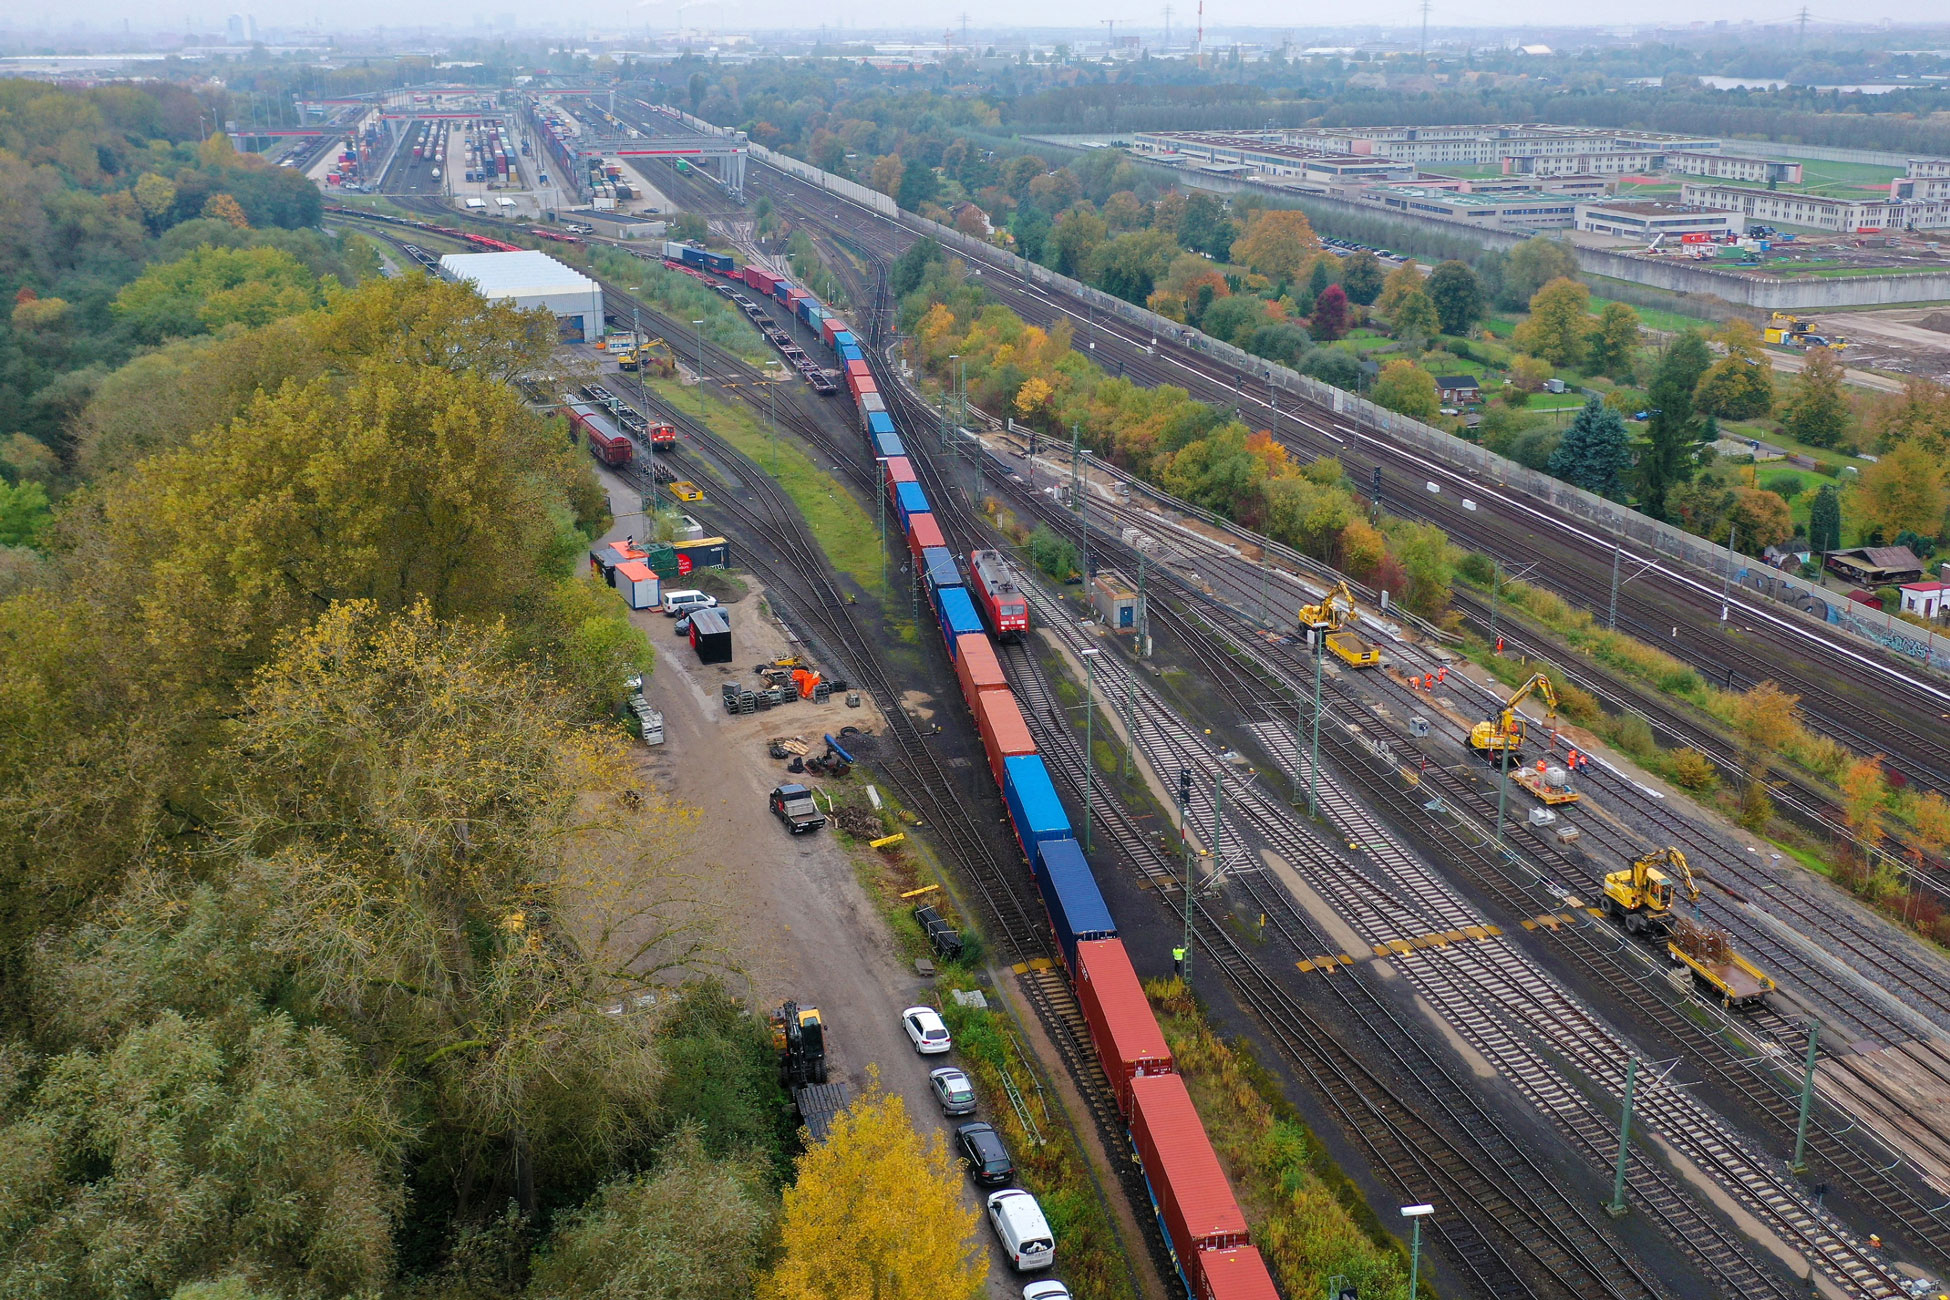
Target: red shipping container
[830, 326]
[977, 667]
[1236, 1274]
[1193, 1197]
[922, 532]
[899, 470]
[858, 368]
[1122, 1028]
[1004, 734]
[858, 384]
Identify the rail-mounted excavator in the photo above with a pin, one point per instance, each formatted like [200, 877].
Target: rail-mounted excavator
[1504, 731]
[1331, 613]
[1640, 897]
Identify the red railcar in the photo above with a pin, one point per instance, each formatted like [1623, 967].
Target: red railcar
[663, 436]
[1187, 1185]
[1122, 1028]
[1236, 1274]
[999, 598]
[1004, 733]
[978, 670]
[923, 533]
[607, 443]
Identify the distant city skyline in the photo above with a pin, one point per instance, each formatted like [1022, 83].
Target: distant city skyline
[1515, 16]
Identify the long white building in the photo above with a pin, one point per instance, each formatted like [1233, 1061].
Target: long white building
[530, 280]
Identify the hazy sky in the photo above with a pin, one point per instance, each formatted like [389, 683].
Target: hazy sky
[926, 16]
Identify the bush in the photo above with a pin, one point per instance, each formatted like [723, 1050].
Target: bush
[1478, 568]
[1632, 734]
[1694, 771]
[1785, 486]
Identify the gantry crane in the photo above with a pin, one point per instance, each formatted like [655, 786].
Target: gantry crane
[1640, 897]
[1504, 732]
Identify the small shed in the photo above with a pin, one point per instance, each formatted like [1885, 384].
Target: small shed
[1458, 389]
[641, 588]
[1925, 599]
[1791, 556]
[1115, 600]
[1877, 566]
[711, 636]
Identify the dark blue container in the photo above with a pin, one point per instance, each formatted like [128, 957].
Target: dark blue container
[1034, 809]
[851, 352]
[956, 614]
[783, 291]
[911, 499]
[1076, 906]
[938, 563]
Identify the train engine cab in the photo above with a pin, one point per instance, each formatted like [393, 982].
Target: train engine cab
[999, 597]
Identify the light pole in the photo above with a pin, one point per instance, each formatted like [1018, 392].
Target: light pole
[1089, 719]
[1415, 1214]
[772, 411]
[956, 358]
[1313, 760]
[698, 325]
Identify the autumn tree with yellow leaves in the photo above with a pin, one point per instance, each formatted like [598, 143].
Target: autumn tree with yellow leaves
[877, 1211]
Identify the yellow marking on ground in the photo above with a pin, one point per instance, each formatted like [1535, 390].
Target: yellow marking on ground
[1477, 931]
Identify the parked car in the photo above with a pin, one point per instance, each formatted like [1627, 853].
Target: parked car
[980, 1148]
[953, 1090]
[683, 602]
[1047, 1289]
[926, 1031]
[1024, 1232]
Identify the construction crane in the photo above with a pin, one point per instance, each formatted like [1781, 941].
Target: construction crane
[1331, 613]
[1640, 897]
[1503, 732]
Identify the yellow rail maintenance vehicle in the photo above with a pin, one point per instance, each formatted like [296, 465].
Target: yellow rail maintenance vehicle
[1709, 954]
[685, 490]
[1504, 731]
[1640, 897]
[1329, 619]
[1352, 650]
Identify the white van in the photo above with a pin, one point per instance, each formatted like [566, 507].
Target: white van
[1023, 1231]
[683, 602]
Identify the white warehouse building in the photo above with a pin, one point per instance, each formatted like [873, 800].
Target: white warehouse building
[530, 280]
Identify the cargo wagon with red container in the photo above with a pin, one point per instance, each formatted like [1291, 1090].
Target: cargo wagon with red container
[1188, 1188]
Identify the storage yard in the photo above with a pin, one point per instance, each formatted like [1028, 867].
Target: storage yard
[1397, 947]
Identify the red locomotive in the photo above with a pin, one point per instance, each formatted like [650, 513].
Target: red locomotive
[998, 596]
[607, 443]
[663, 436]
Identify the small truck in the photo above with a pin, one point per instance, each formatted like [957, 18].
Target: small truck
[793, 805]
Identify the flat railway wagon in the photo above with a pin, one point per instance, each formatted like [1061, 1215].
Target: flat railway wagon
[607, 443]
[998, 596]
[1204, 1228]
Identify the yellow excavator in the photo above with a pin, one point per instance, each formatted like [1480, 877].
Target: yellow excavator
[1331, 613]
[1504, 732]
[1640, 897]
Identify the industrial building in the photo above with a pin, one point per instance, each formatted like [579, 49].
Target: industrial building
[1793, 208]
[1647, 220]
[1530, 211]
[530, 280]
[1628, 162]
[1265, 154]
[1489, 144]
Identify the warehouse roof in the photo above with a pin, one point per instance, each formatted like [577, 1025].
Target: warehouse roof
[515, 275]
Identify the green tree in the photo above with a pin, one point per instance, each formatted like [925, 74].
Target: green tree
[690, 228]
[1816, 410]
[1414, 316]
[156, 196]
[215, 287]
[918, 185]
[1825, 520]
[1535, 263]
[1674, 436]
[1405, 387]
[1904, 491]
[1614, 341]
[911, 267]
[1558, 326]
[1428, 562]
[692, 1230]
[1404, 279]
[1234, 318]
[1362, 278]
[1204, 226]
[1457, 293]
[1595, 451]
[1077, 235]
[1277, 243]
[1318, 279]
[1130, 264]
[1740, 385]
[24, 513]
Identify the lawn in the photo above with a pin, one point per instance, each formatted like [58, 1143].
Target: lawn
[846, 532]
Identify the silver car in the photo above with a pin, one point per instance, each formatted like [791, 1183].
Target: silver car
[953, 1090]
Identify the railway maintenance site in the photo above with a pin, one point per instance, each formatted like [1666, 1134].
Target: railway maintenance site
[1622, 1046]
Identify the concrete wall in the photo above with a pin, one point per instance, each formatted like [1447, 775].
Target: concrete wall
[1363, 419]
[1767, 292]
[1770, 149]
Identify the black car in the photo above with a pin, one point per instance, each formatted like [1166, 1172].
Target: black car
[981, 1149]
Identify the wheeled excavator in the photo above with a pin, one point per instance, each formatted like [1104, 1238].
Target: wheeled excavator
[1504, 731]
[799, 1037]
[1331, 613]
[1640, 897]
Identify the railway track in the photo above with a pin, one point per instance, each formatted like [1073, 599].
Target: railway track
[1568, 558]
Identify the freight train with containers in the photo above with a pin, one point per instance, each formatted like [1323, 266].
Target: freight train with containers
[1203, 1225]
[1204, 1229]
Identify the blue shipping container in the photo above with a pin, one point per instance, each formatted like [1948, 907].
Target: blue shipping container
[911, 499]
[1076, 906]
[939, 563]
[805, 309]
[879, 422]
[851, 352]
[719, 262]
[887, 445]
[956, 614]
[783, 290]
[844, 339]
[1034, 808]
